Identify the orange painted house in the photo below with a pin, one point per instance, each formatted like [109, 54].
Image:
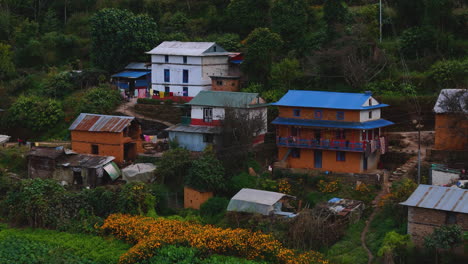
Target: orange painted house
[106, 135]
[329, 131]
[451, 122]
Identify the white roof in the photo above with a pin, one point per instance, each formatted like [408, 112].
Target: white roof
[258, 196]
[188, 49]
[4, 139]
[461, 94]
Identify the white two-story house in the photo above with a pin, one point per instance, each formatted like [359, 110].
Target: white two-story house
[184, 68]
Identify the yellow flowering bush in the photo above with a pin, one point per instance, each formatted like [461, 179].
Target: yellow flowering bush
[149, 234]
[328, 187]
[284, 186]
[363, 188]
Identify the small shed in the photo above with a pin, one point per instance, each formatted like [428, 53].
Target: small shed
[139, 172]
[258, 201]
[4, 138]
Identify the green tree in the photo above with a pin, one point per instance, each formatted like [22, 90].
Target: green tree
[285, 73]
[261, 46]
[245, 15]
[394, 246]
[28, 49]
[119, 36]
[206, 173]
[289, 19]
[446, 237]
[35, 113]
[7, 67]
[99, 100]
[174, 166]
[334, 12]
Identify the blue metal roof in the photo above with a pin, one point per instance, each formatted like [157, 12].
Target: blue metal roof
[131, 74]
[334, 124]
[321, 99]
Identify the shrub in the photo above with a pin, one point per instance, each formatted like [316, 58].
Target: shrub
[417, 41]
[149, 101]
[242, 180]
[213, 209]
[99, 100]
[168, 102]
[206, 173]
[450, 73]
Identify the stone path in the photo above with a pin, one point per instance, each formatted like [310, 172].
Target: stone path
[129, 109]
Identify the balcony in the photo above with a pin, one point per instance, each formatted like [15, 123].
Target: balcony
[336, 144]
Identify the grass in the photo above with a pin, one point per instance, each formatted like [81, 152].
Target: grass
[349, 250]
[89, 248]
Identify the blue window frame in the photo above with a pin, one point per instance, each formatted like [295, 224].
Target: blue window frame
[185, 91]
[296, 112]
[184, 58]
[318, 114]
[166, 58]
[167, 90]
[167, 75]
[185, 76]
[340, 156]
[340, 115]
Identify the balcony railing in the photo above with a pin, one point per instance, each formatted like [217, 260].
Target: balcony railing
[335, 144]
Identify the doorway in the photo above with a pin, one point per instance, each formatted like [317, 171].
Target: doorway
[318, 159]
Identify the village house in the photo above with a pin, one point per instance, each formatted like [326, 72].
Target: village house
[330, 131]
[451, 122]
[107, 135]
[135, 80]
[183, 69]
[203, 126]
[432, 206]
[70, 168]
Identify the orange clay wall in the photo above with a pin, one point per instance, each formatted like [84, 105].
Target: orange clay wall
[450, 134]
[309, 133]
[327, 114]
[306, 161]
[194, 199]
[229, 85]
[110, 144]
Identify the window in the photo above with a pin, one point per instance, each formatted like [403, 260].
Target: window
[318, 114]
[340, 115]
[370, 114]
[370, 101]
[451, 218]
[219, 83]
[340, 134]
[214, 48]
[340, 156]
[296, 153]
[207, 115]
[166, 58]
[295, 131]
[167, 89]
[185, 76]
[167, 75]
[95, 149]
[208, 138]
[185, 91]
[184, 58]
[296, 112]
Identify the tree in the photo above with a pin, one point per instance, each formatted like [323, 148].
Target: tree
[174, 166]
[7, 67]
[35, 113]
[99, 100]
[261, 46]
[334, 12]
[285, 73]
[289, 19]
[445, 237]
[394, 246]
[206, 173]
[119, 36]
[245, 15]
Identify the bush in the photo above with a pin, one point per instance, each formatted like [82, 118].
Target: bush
[149, 101]
[417, 41]
[214, 209]
[242, 180]
[450, 73]
[99, 100]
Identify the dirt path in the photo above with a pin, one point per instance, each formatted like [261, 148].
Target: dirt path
[129, 109]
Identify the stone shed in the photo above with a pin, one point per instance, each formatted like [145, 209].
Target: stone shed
[432, 206]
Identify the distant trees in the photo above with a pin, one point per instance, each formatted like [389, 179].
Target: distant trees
[289, 19]
[35, 113]
[119, 36]
[246, 15]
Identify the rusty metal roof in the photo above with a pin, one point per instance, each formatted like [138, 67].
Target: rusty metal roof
[85, 160]
[452, 199]
[101, 123]
[46, 152]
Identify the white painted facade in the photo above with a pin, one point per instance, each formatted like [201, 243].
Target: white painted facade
[197, 112]
[376, 113]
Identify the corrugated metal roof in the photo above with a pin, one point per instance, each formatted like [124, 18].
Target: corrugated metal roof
[194, 129]
[101, 123]
[137, 66]
[322, 99]
[131, 74]
[452, 199]
[227, 99]
[258, 196]
[188, 49]
[46, 152]
[333, 124]
[445, 94]
[85, 160]
[4, 139]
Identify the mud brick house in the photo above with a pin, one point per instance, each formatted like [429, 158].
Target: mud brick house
[451, 120]
[329, 131]
[433, 206]
[208, 110]
[107, 135]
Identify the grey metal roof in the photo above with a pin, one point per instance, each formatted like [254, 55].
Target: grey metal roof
[452, 199]
[46, 152]
[259, 196]
[188, 49]
[101, 123]
[137, 66]
[194, 129]
[227, 99]
[462, 95]
[85, 160]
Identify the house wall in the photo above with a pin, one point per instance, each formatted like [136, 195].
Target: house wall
[423, 221]
[309, 133]
[352, 164]
[190, 141]
[110, 144]
[197, 116]
[40, 167]
[364, 115]
[327, 114]
[194, 199]
[229, 85]
[450, 134]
